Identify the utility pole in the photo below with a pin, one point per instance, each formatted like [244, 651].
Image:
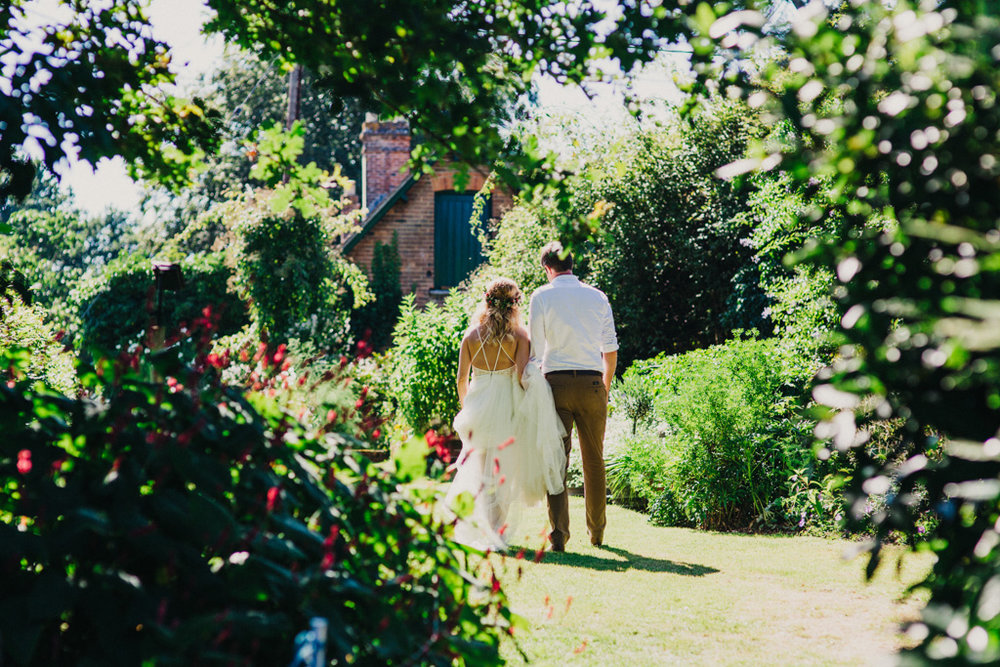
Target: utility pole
[294, 96]
[294, 101]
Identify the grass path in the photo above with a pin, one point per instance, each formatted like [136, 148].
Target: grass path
[671, 596]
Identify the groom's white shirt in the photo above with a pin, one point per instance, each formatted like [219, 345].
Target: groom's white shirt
[571, 326]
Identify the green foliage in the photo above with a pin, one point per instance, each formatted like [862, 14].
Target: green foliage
[423, 362]
[456, 70]
[375, 321]
[78, 83]
[671, 256]
[175, 521]
[252, 93]
[801, 307]
[56, 247]
[117, 310]
[730, 436]
[297, 287]
[896, 108]
[25, 327]
[513, 250]
[637, 473]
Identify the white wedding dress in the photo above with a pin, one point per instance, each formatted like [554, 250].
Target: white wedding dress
[512, 453]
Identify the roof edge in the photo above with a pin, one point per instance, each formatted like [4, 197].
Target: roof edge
[375, 216]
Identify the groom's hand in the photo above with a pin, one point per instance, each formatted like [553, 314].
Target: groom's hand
[610, 364]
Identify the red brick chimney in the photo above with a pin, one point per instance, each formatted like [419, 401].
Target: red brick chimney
[385, 148]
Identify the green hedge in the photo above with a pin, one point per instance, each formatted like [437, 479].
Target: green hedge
[117, 310]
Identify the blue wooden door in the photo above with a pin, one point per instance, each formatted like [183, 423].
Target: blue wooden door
[457, 251]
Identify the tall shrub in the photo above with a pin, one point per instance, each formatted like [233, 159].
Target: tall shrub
[423, 362]
[376, 320]
[671, 257]
[117, 309]
[24, 327]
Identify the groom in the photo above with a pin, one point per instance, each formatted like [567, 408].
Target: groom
[573, 336]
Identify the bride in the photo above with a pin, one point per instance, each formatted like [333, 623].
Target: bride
[512, 449]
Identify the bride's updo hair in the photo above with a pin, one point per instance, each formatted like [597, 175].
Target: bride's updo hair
[499, 311]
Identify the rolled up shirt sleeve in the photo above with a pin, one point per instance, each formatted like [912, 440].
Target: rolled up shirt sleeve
[609, 339]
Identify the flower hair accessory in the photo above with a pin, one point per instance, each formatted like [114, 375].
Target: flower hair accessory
[498, 302]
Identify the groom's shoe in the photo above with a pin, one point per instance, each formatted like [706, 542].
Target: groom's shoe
[557, 547]
[597, 541]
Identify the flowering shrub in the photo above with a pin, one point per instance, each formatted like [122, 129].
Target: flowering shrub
[166, 517]
[325, 392]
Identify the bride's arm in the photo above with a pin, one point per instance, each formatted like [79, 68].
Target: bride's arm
[464, 364]
[522, 352]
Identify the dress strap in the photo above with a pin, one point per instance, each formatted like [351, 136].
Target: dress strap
[506, 354]
[481, 346]
[496, 362]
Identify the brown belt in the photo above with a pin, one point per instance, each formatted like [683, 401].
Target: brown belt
[573, 373]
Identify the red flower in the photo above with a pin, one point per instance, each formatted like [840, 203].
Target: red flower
[24, 461]
[272, 498]
[439, 444]
[332, 537]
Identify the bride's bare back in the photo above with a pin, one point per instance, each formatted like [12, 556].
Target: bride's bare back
[492, 356]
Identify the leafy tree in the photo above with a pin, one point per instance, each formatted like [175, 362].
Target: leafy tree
[56, 247]
[454, 69]
[897, 111]
[97, 82]
[251, 94]
[672, 254]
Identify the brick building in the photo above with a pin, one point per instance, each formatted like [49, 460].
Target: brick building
[437, 248]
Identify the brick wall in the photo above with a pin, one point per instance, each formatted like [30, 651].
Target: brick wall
[413, 221]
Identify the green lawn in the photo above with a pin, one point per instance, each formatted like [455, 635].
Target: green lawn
[665, 596]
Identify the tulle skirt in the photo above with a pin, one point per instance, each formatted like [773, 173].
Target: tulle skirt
[512, 455]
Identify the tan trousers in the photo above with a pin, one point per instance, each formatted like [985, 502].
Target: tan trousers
[581, 400]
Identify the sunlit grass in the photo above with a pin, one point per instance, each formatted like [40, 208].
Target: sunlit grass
[661, 596]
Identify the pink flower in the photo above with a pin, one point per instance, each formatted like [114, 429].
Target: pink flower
[24, 461]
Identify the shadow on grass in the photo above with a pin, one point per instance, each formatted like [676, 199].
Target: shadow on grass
[626, 560]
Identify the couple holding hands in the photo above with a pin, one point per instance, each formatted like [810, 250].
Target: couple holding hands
[517, 419]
